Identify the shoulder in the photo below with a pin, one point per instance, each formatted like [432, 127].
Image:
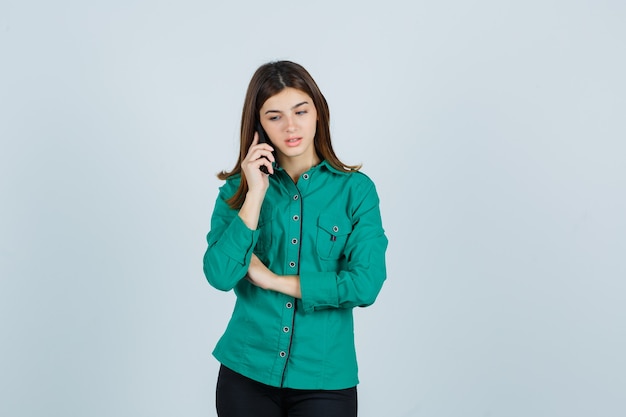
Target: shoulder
[355, 178]
[359, 177]
[358, 181]
[359, 192]
[355, 188]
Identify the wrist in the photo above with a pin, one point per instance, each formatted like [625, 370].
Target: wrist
[255, 194]
[287, 284]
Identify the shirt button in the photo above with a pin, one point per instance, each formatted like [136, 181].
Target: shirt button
[295, 197]
[335, 229]
[286, 329]
[294, 241]
[305, 176]
[292, 264]
[282, 354]
[289, 304]
[296, 218]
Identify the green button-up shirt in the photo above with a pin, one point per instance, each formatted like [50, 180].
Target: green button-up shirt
[327, 229]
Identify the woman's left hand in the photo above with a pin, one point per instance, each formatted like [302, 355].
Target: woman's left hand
[262, 277]
[259, 274]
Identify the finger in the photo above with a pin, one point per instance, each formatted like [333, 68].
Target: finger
[265, 166]
[255, 165]
[257, 154]
[254, 147]
[255, 141]
[270, 169]
[261, 147]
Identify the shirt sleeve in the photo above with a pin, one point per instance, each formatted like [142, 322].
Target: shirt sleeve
[358, 284]
[230, 244]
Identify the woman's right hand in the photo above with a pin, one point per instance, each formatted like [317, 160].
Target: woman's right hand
[259, 154]
[258, 181]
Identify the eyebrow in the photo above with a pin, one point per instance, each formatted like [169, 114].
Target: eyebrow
[294, 107]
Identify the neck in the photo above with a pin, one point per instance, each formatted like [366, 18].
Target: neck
[295, 167]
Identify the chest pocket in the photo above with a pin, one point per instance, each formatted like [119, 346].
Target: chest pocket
[332, 235]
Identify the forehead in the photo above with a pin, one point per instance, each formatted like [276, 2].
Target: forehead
[286, 99]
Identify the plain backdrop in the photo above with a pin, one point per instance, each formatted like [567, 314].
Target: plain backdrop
[494, 130]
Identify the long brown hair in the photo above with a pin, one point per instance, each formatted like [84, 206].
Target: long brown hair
[269, 80]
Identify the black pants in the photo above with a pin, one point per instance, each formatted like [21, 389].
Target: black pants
[238, 396]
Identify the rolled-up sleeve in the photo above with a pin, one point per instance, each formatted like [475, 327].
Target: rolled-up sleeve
[360, 281]
[230, 244]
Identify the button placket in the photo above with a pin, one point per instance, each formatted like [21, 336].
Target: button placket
[294, 230]
[293, 237]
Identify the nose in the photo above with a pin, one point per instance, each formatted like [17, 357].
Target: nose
[291, 124]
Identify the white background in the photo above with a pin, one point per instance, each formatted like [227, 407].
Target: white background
[494, 131]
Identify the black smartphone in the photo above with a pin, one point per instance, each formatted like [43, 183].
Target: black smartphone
[262, 139]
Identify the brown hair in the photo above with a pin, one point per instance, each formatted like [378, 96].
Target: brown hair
[269, 80]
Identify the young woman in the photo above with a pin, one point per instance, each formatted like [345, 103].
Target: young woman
[301, 245]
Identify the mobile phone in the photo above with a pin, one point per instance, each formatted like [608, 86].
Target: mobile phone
[262, 139]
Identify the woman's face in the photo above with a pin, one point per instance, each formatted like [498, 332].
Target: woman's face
[289, 119]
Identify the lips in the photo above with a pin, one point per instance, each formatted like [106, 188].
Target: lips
[292, 142]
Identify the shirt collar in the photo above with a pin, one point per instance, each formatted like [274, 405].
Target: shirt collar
[328, 166]
[324, 164]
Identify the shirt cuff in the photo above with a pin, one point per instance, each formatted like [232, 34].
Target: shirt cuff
[319, 290]
[238, 240]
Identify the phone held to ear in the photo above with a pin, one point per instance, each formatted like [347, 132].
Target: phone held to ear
[262, 139]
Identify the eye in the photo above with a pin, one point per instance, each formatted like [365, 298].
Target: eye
[273, 118]
[301, 112]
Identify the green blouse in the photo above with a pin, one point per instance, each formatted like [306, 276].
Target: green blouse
[327, 229]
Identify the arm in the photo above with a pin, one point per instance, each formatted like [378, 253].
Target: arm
[258, 182]
[360, 281]
[261, 276]
[356, 285]
[233, 233]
